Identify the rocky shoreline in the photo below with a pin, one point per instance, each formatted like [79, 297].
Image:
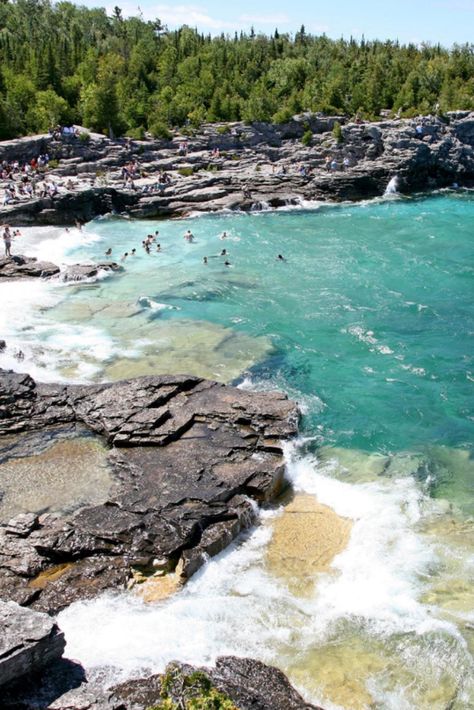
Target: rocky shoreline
[34, 676]
[243, 167]
[190, 461]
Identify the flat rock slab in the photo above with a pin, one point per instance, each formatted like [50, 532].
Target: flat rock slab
[188, 457]
[28, 641]
[18, 267]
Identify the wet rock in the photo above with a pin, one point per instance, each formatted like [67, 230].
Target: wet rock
[189, 457]
[80, 272]
[246, 683]
[28, 642]
[249, 684]
[17, 267]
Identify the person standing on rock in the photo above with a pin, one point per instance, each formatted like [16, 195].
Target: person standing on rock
[7, 240]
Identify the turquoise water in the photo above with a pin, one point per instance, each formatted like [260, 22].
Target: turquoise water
[370, 317]
[369, 323]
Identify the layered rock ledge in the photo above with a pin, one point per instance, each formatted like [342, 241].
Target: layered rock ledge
[242, 683]
[239, 166]
[189, 457]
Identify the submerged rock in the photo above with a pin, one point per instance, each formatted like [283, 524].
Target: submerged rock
[190, 456]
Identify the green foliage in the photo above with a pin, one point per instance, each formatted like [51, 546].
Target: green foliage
[283, 115]
[307, 137]
[190, 692]
[137, 134]
[337, 132]
[63, 63]
[160, 130]
[47, 110]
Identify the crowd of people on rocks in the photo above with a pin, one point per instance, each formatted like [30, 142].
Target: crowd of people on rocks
[27, 179]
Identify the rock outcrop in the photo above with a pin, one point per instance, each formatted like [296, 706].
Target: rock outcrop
[247, 683]
[29, 641]
[244, 683]
[424, 153]
[82, 272]
[24, 267]
[189, 456]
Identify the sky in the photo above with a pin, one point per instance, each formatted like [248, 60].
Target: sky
[443, 21]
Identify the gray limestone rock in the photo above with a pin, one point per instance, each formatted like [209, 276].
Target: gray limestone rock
[190, 455]
[28, 641]
[17, 267]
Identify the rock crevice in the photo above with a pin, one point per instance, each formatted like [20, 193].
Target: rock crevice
[187, 456]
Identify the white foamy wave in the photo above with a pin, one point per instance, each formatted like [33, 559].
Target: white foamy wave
[55, 244]
[47, 347]
[234, 605]
[382, 569]
[306, 402]
[147, 302]
[368, 337]
[213, 615]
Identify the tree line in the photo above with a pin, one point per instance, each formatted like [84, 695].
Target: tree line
[63, 64]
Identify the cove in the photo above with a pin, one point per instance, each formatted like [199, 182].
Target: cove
[368, 323]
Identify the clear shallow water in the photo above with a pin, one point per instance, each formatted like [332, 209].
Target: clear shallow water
[369, 324]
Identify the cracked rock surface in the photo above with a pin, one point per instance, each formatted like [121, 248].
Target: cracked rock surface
[189, 457]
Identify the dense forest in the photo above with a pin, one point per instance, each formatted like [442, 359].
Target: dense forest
[63, 64]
